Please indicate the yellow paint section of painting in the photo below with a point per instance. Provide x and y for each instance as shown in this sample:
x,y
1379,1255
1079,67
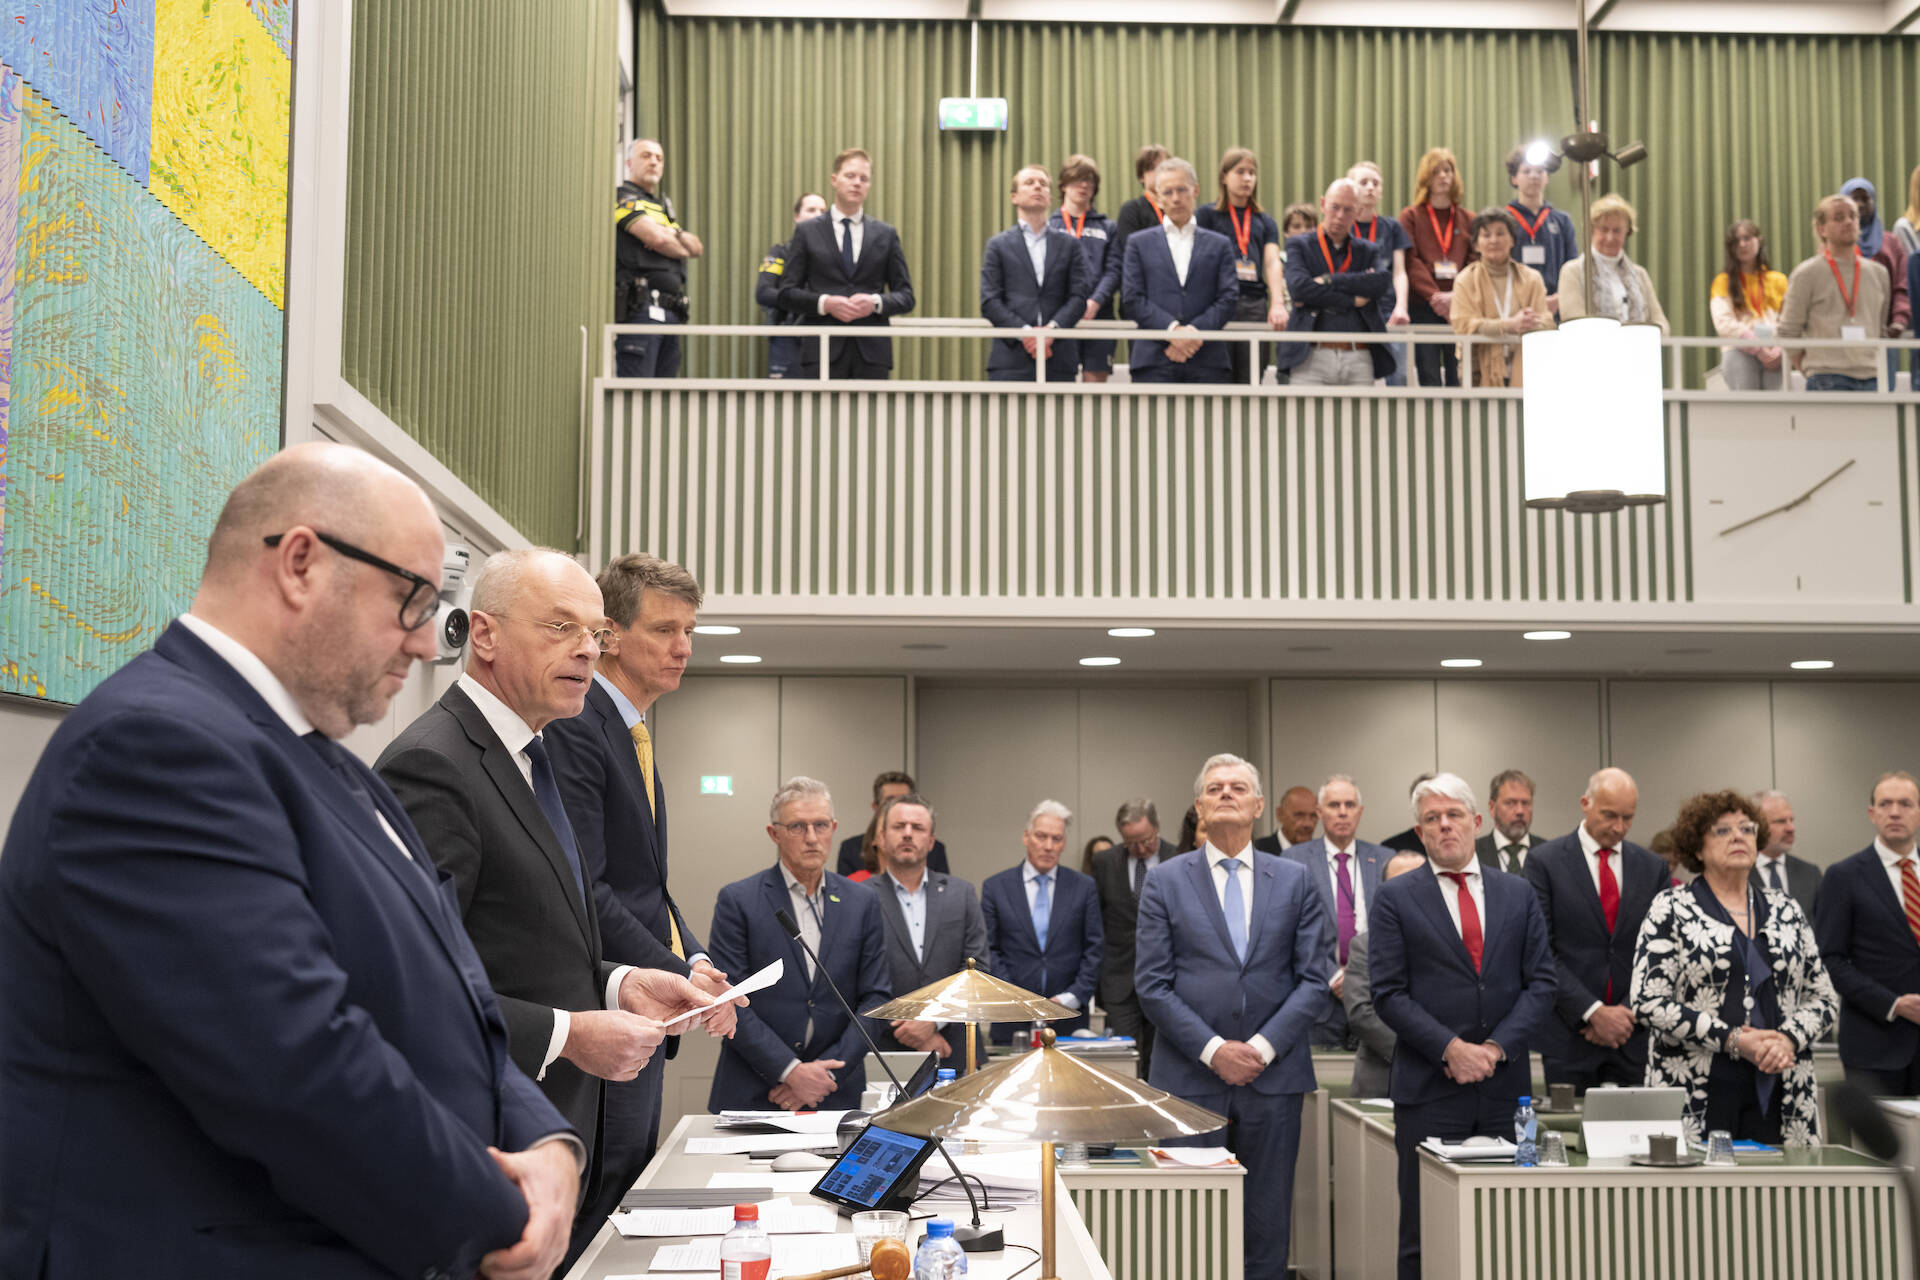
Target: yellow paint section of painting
x,y
222,107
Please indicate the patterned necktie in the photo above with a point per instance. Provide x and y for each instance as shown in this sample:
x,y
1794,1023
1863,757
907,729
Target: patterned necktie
x,y
643,749
1139,874
1910,895
546,793
1236,909
1469,918
1343,909
846,245
1042,908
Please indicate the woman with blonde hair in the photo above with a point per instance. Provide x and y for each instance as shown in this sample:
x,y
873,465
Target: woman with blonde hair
x,y
1438,224
1622,289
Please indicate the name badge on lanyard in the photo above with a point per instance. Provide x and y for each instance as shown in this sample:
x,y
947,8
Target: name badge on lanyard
x,y
1246,269
1534,255
1445,270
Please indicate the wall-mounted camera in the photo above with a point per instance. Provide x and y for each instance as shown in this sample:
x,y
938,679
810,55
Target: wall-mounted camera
x,y
456,591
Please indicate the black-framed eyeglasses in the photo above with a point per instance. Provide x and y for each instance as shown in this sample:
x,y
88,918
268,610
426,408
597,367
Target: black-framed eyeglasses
x,y
422,601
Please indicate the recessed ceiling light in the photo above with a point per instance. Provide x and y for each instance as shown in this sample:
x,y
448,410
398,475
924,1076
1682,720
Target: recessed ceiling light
x,y
1129,633
924,647
1812,664
715,629
1309,648
1099,662
743,658
1546,635
1459,662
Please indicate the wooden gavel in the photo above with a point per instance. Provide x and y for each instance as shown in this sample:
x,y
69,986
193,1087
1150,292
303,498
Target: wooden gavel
x,y
889,1261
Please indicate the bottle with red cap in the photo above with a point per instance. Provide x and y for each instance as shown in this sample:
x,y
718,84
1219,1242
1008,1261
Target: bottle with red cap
x,y
746,1252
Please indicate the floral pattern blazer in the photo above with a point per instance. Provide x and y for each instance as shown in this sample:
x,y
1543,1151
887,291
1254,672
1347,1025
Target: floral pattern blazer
x,y
1681,966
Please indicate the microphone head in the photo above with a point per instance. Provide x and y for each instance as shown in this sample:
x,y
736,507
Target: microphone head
x,y
786,922
1871,1128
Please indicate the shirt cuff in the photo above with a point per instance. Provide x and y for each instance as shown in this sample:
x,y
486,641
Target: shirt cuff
x,y
1592,1009
562,1021
1068,999
789,1070
1264,1049
879,303
697,957
613,985
574,1144
1209,1049
1893,1010
820,308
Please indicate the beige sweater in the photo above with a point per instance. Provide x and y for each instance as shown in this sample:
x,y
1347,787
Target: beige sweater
x,y
1573,301
1476,309
1814,309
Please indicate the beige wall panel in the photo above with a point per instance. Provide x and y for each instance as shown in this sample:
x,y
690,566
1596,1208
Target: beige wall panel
x,y
1151,742
987,756
1379,731
1830,742
843,731
1678,738
1548,728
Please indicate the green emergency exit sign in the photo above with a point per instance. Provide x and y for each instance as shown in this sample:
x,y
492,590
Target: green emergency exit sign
x,y
716,784
973,113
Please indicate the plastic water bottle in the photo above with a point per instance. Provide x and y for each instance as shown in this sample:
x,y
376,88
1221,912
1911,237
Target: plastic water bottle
x,y
945,1076
1526,1126
940,1256
745,1252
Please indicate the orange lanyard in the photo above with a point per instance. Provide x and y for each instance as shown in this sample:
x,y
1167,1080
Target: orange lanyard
x,y
1372,228
1446,241
1068,219
1757,300
1835,268
1242,231
1327,253
1533,228
1155,206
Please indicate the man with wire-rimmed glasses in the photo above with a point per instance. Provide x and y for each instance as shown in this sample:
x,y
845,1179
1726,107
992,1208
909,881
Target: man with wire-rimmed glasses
x,y
475,775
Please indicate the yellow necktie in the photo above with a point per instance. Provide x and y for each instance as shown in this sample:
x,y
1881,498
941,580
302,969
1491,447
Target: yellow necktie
x,y
643,751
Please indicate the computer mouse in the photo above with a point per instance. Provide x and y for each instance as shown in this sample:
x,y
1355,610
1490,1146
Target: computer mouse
x,y
799,1162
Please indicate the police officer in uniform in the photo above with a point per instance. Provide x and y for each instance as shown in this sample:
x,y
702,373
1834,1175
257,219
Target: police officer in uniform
x,y
782,352
650,276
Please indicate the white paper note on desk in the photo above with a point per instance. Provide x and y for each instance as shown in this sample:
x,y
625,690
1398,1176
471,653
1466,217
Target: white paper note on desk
x,y
777,1218
733,1144
1195,1157
791,1121
1473,1150
765,978
792,1255
779,1183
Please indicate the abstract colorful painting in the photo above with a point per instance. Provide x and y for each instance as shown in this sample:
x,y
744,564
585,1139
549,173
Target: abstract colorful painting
x,y
93,59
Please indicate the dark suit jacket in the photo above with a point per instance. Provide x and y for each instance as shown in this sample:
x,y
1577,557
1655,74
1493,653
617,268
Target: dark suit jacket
x,y
955,933
849,860
1269,843
622,842
1585,955
1872,957
1360,279
522,908
1425,987
1119,912
1369,861
1803,882
746,937
1155,298
814,269
1407,841
1193,987
1069,963
1012,298
1489,855
244,1035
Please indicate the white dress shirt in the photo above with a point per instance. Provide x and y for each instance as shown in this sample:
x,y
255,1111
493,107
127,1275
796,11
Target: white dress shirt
x,y
808,912
1512,853
858,231
1215,864
1030,877
1353,875
1036,249
913,907
514,734
1180,244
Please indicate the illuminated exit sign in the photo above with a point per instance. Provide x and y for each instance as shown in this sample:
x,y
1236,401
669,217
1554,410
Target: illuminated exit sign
x,y
961,114
716,784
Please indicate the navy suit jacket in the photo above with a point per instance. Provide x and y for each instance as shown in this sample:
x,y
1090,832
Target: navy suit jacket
x,y
622,842
1872,957
1155,298
243,1034
746,938
1360,279
1369,861
1193,987
1076,940
815,269
1585,956
1426,989
1011,298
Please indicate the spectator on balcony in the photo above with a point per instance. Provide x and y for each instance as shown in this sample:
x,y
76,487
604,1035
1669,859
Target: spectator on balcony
x,y
1497,297
1034,278
1335,288
1745,301
1547,238
781,352
1437,223
1391,240
1889,252
1143,211
1100,246
651,249
1907,229
1836,294
1622,288
1256,253
846,268
1178,276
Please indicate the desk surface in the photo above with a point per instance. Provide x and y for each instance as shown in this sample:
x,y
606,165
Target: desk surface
x,y
610,1254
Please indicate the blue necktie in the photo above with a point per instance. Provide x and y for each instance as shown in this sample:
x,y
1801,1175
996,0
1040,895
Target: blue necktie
x,y
1042,908
1773,874
846,247
1236,909
547,793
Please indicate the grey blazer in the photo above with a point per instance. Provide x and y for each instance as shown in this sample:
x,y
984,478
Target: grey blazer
x,y
1374,1039
955,931
1803,882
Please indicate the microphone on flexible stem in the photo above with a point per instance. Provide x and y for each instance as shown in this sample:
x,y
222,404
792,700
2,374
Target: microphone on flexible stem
x,y
973,1239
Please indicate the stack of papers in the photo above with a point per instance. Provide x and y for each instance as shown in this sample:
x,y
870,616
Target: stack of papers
x,y
1194,1157
792,1255
739,1144
1474,1150
789,1121
777,1218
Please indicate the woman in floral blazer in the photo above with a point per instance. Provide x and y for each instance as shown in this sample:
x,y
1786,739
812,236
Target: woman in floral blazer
x,y
1728,979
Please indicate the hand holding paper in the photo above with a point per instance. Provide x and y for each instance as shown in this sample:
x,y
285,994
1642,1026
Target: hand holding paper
x,y
765,978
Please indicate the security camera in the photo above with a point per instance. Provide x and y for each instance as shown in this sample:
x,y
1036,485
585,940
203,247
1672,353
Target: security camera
x,y
450,620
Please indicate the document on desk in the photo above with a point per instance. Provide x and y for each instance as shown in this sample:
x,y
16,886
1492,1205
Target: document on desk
x,y
1621,1139
763,979
792,1255
1473,1150
791,1121
779,1183
777,1218
734,1144
1195,1157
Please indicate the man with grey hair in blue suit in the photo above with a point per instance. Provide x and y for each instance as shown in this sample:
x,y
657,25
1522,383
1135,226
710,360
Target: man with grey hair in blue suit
x,y
1233,965
1345,871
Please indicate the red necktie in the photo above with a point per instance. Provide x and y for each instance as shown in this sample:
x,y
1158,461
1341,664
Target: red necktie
x,y
1609,907
1469,918
1910,896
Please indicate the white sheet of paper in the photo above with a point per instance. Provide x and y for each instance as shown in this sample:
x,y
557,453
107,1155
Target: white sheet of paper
x,y
777,1218
792,1122
1194,1157
1474,1150
739,1144
765,978
792,1255
1905,1106
779,1183
1618,1139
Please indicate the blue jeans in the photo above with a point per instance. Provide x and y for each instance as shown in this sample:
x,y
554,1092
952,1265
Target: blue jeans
x,y
1838,382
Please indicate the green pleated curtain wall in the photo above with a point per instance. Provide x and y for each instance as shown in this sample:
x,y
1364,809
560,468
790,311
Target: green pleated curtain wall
x,y
752,111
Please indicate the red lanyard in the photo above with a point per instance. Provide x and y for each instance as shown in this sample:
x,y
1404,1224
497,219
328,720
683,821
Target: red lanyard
x,y
1327,253
1242,231
1835,268
1068,219
1533,228
1372,227
1446,241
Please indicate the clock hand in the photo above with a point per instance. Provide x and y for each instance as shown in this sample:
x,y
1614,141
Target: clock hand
x,y
1788,506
